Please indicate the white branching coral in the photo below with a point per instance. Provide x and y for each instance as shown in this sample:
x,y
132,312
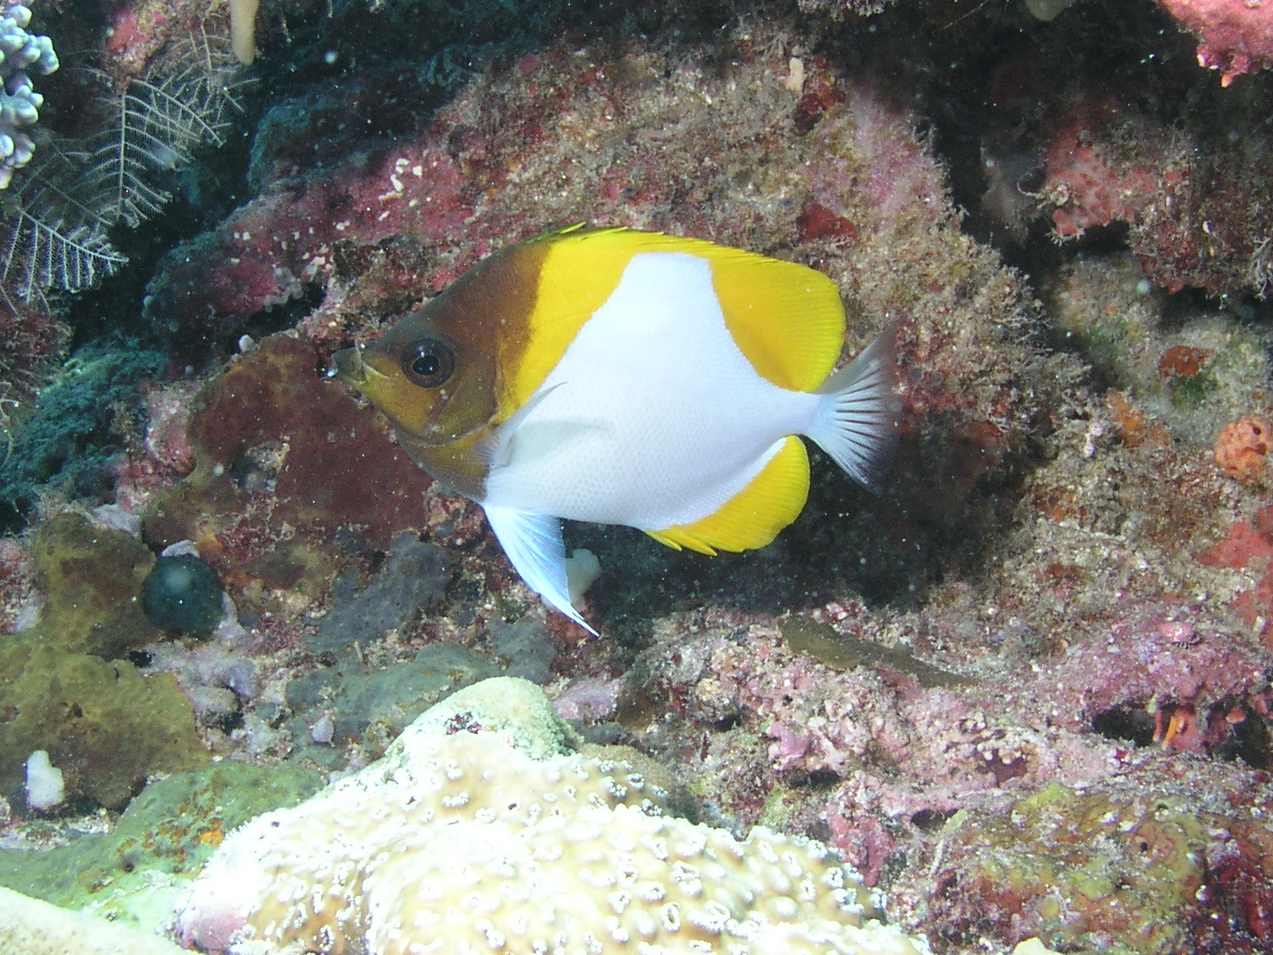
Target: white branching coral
x,y
482,831
21,53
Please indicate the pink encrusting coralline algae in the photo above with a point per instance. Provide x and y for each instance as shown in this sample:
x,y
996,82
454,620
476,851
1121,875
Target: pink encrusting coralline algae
x,y
1235,37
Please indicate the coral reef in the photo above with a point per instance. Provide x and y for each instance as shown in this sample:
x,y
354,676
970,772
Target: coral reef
x,y
1110,868
20,601
1248,545
1025,691
32,340
1242,448
412,580
1187,376
1198,681
526,647
1197,211
219,676
63,685
282,458
106,725
91,577
354,700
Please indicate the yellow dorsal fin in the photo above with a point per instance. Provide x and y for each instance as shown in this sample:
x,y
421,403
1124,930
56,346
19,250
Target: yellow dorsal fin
x,y
786,318
754,516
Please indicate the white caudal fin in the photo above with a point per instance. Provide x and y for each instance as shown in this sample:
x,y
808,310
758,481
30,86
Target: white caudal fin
x,y
856,420
534,547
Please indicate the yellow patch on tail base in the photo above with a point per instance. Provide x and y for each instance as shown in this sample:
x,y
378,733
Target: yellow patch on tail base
x,y
754,516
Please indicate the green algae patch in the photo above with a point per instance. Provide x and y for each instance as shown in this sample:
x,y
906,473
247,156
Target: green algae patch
x,y
103,723
92,577
1191,393
1082,871
779,806
134,872
842,652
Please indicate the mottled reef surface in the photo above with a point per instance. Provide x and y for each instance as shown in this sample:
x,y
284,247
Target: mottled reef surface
x,y
1025,690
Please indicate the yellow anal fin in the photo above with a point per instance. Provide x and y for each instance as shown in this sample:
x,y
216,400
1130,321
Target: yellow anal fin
x,y
754,516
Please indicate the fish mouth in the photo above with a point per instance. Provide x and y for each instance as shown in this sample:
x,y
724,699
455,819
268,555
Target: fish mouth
x,y
347,366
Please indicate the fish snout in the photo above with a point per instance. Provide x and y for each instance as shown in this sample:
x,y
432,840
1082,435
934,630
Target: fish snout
x,y
348,367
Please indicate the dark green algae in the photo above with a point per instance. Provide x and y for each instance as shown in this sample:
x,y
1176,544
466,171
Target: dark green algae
x,y
91,576
70,437
182,594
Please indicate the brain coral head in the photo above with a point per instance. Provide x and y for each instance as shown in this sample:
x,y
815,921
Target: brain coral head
x,y
466,843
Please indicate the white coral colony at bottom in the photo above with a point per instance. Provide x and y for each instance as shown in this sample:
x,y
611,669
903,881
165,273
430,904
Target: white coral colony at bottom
x,y
462,842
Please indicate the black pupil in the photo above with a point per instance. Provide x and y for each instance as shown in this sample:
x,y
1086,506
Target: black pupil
x,y
428,362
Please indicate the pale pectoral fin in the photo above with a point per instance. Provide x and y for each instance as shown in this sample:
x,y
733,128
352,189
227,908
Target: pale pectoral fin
x,y
520,438
534,547
496,448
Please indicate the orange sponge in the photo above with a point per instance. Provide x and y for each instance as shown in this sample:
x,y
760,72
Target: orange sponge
x,y
1242,447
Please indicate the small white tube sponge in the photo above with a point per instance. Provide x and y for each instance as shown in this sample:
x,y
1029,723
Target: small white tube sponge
x,y
461,841
243,29
45,786
20,54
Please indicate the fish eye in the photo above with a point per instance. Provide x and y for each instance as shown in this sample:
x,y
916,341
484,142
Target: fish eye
x,y
428,362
